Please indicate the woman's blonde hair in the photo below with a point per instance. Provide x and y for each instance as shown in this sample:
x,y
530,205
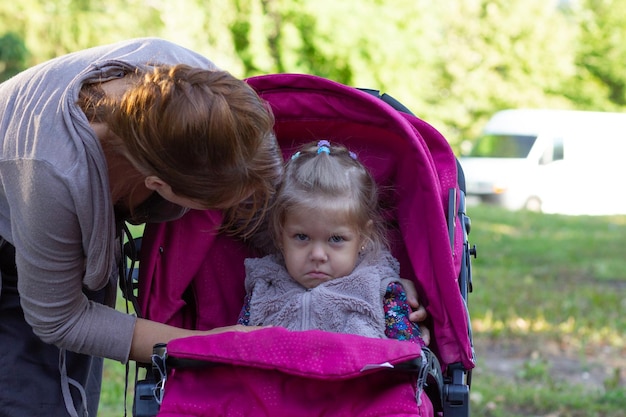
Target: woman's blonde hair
x,y
322,176
207,134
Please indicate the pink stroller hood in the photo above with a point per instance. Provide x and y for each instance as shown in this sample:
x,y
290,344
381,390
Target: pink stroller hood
x,y
415,169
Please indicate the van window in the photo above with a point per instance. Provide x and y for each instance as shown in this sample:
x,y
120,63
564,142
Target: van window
x,y
558,150
553,152
503,146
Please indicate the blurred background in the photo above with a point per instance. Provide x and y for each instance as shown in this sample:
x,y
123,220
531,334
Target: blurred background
x,y
549,290
452,62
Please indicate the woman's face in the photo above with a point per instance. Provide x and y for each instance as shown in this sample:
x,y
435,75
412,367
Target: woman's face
x,y
319,246
165,191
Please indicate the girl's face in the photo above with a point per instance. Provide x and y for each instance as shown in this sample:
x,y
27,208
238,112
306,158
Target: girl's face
x,y
319,246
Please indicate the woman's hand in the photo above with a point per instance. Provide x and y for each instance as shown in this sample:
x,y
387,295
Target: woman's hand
x,y
148,333
233,328
419,314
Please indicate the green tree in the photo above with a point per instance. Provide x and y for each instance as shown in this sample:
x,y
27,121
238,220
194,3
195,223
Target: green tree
x,y
373,45
452,62
274,36
52,28
496,54
600,80
13,55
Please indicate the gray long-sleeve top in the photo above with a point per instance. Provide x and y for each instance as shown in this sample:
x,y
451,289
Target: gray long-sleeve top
x,y
55,203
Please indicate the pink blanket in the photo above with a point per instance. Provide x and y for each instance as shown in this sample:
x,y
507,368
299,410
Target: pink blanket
x,y
274,372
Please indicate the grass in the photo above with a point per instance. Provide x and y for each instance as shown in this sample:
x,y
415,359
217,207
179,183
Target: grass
x,y
114,386
545,287
551,275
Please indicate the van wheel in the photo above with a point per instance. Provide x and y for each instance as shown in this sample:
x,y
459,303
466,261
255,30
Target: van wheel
x,y
533,204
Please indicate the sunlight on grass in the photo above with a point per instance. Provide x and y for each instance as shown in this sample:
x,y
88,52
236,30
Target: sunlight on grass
x,y
503,229
514,325
524,326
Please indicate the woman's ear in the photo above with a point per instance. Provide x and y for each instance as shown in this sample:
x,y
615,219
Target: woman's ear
x,y
154,183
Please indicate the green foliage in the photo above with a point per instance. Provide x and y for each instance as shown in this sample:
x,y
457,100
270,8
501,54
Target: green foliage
x,y
602,52
499,54
13,55
452,62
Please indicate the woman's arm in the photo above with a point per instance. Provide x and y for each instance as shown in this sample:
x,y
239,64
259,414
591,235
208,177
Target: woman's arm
x,y
148,333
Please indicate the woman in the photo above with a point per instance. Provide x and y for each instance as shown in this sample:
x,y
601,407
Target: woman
x,y
137,131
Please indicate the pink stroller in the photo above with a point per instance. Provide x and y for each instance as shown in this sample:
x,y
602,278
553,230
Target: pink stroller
x,y
190,276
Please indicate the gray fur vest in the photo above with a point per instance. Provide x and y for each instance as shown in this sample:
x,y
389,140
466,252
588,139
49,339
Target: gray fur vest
x,y
350,304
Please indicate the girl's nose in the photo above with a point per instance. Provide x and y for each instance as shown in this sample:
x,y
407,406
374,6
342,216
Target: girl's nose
x,y
318,254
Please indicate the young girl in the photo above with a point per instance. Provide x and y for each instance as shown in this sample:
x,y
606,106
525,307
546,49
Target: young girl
x,y
333,271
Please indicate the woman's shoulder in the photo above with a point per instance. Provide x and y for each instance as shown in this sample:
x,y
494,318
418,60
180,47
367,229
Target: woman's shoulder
x,y
153,50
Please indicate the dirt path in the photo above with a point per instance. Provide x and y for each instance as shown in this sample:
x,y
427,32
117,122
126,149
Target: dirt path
x,y
512,359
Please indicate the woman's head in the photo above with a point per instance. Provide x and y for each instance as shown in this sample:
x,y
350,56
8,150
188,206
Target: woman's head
x,y
204,133
327,181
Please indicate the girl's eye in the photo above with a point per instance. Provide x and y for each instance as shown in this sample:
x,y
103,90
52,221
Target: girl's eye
x,y
336,239
300,236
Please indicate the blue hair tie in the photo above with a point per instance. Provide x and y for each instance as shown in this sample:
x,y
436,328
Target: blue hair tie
x,y
295,155
324,149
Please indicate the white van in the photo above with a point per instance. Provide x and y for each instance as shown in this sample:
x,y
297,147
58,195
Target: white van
x,y
554,161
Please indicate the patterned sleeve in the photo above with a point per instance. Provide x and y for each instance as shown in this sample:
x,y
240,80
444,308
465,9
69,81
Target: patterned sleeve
x,y
244,316
397,310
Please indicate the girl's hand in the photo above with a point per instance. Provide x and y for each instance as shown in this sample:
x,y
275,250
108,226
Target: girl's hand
x,y
419,314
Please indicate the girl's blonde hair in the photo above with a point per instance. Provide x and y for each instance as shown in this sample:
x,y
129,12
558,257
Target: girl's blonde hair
x,y
207,134
325,176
